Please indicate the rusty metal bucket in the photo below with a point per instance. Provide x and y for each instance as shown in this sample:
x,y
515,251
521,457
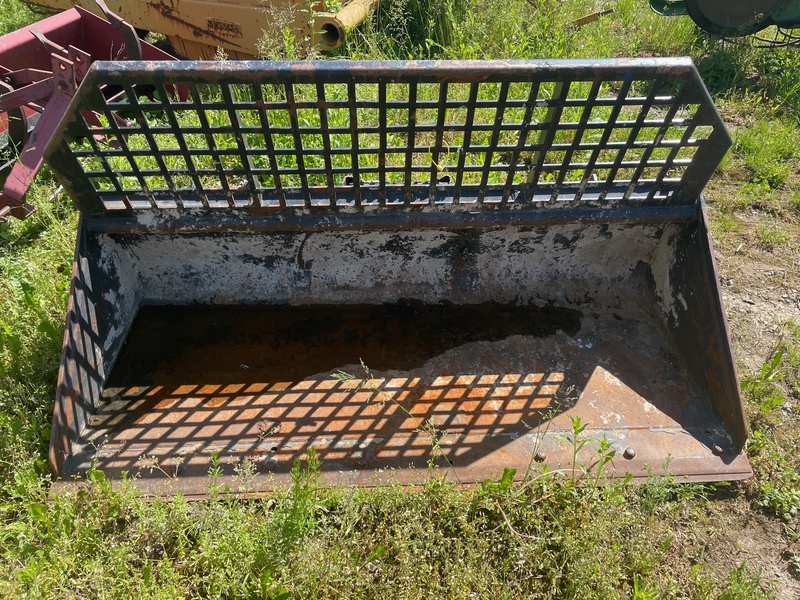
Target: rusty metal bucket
x,y
354,256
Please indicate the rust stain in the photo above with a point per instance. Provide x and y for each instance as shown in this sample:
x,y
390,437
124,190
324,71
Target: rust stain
x,y
488,387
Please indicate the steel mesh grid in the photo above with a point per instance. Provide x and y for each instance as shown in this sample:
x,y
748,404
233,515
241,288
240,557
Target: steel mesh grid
x,y
343,136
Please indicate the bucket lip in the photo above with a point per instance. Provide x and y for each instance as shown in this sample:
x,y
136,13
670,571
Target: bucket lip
x,y
195,488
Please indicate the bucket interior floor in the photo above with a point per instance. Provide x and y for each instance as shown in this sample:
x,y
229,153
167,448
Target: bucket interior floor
x,y
269,382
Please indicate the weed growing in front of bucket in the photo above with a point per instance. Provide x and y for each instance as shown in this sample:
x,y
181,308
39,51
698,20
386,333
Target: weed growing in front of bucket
x,y
577,442
296,515
772,397
763,389
605,454
245,472
214,473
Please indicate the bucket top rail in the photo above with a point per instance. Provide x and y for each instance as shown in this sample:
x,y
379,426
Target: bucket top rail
x,y
332,137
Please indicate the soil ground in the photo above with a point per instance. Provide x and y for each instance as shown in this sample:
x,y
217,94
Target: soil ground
x,y
761,292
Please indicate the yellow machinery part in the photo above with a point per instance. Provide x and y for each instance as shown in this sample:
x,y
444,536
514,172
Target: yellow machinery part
x,y
198,28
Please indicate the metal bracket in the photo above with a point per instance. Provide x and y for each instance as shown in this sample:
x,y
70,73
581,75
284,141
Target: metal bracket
x,y
25,91
132,42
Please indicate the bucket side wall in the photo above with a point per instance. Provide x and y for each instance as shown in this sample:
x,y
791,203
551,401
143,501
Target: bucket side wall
x,y
105,294
80,376
687,292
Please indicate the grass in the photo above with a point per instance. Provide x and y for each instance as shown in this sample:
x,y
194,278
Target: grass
x,y
549,537
499,540
770,236
772,396
14,15
768,149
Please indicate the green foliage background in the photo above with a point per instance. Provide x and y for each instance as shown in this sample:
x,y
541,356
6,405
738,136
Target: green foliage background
x,y
550,538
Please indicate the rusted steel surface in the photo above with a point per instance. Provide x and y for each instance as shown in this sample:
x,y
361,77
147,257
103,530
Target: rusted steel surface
x,y
259,384
229,283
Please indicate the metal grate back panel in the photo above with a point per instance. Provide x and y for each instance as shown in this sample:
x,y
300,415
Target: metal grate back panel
x,y
334,135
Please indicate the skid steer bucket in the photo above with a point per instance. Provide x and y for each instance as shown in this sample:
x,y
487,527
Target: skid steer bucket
x,y
398,264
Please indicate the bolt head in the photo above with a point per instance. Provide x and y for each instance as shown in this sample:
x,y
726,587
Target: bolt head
x,y
717,450
541,456
629,453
